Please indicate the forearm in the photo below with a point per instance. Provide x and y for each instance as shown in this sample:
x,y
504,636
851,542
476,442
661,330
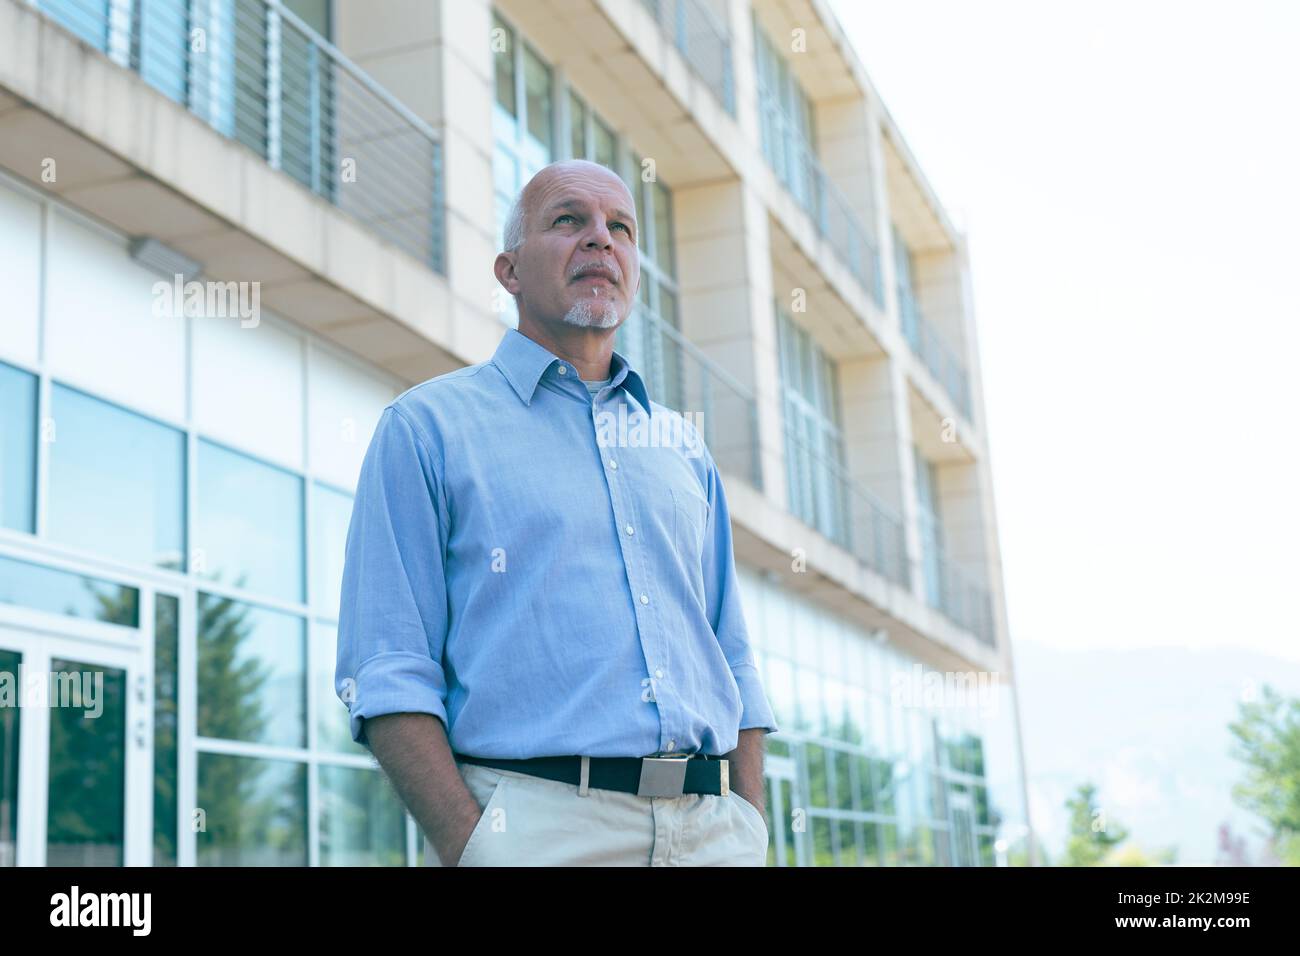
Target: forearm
x,y
745,770
414,752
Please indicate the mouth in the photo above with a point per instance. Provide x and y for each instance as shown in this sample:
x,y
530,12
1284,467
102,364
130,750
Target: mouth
x,y
595,275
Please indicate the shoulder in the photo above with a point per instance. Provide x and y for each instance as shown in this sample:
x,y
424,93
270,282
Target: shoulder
x,y
428,407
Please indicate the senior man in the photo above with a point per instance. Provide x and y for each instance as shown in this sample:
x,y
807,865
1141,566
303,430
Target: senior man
x,y
540,635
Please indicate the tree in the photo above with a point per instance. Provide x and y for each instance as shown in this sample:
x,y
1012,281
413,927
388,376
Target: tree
x,y
1092,835
1266,738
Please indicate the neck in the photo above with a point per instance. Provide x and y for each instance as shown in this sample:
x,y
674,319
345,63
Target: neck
x,y
586,349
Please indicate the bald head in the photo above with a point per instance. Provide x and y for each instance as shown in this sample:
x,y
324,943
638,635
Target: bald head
x,y
570,255
525,204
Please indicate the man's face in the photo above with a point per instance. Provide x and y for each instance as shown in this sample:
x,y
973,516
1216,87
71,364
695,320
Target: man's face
x,y
579,262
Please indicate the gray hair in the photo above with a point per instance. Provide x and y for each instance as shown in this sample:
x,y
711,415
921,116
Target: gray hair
x,y
514,232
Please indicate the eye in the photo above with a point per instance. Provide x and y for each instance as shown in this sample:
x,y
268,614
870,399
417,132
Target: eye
x,y
565,216
626,228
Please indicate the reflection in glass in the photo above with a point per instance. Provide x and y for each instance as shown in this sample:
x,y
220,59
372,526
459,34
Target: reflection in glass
x,y
504,65
87,777
88,19
333,723
117,482
254,812
604,144
577,127
9,718
331,513
165,716
251,680
248,524
361,820
17,449
848,843
63,592
537,93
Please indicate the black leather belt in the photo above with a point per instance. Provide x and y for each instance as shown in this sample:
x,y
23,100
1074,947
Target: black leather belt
x,y
654,776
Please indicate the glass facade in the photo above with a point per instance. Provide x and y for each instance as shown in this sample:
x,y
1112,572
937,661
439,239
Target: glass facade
x,y
865,771
162,524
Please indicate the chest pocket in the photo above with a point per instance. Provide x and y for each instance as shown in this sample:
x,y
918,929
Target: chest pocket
x,y
690,519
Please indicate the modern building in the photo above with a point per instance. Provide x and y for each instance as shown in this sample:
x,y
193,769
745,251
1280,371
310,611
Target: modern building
x,y
177,462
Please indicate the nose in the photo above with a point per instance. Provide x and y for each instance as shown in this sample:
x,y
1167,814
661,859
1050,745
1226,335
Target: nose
x,y
598,237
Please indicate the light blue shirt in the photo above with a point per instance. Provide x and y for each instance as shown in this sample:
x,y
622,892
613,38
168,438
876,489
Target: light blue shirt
x,y
546,571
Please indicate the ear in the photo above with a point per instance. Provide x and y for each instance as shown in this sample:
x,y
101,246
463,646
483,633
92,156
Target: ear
x,y
504,268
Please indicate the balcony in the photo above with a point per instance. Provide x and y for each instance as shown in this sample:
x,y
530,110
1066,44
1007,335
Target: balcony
x,y
825,497
257,74
680,376
934,352
828,208
703,41
952,593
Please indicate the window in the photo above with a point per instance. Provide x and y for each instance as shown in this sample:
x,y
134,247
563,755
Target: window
x,y
361,820
590,137
117,482
255,811
931,528
333,722
650,338
523,128
251,681
786,124
69,593
248,524
814,444
17,449
908,314
87,19
331,514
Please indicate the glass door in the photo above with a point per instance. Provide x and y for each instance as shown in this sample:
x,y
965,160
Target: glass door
x,y
74,752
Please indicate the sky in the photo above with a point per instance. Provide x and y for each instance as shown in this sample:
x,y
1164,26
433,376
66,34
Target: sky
x,y
1128,175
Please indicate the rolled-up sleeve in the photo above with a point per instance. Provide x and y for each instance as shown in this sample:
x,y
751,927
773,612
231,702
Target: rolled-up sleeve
x,y
393,611
723,606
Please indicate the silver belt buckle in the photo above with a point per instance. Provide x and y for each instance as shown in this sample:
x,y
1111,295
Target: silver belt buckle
x,y
662,776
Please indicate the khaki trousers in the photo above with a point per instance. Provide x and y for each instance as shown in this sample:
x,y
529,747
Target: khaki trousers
x,y
532,821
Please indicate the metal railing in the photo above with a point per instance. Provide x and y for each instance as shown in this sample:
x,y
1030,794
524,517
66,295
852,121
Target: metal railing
x,y
683,378
832,214
931,349
824,496
951,591
258,74
703,41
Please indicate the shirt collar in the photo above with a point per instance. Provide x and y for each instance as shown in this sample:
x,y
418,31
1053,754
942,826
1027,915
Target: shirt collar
x,y
523,362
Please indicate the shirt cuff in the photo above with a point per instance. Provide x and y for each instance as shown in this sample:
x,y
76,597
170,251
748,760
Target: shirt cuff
x,y
755,710
397,682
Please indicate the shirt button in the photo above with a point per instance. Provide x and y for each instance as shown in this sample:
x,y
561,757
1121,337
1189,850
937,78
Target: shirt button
x,y
659,672
628,529
563,370
672,744
613,464
645,599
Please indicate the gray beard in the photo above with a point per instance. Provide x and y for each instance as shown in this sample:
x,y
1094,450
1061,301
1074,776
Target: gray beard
x,y
583,314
